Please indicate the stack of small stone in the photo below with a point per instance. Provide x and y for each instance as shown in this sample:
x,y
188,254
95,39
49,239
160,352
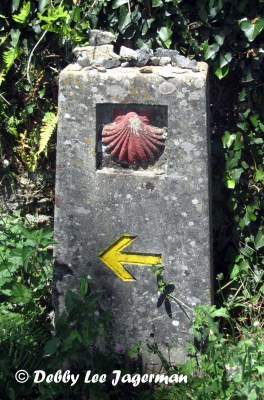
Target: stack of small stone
x,y
100,55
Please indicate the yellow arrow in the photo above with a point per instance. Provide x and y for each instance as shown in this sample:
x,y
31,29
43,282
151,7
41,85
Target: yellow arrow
x,y
114,259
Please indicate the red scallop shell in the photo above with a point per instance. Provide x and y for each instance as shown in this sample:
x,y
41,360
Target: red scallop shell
x,y
131,140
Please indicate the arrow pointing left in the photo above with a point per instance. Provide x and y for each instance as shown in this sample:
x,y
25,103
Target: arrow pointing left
x,y
114,258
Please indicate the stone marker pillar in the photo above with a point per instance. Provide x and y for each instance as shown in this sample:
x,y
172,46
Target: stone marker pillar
x,y
132,191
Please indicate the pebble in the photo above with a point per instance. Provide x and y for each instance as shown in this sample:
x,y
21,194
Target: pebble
x,y
166,53
128,54
83,59
113,63
143,55
74,67
101,54
106,63
97,37
125,64
80,49
164,61
155,60
146,70
185,62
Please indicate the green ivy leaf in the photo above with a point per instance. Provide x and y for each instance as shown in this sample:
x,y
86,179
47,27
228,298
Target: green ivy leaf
x,y
249,215
252,30
42,5
228,139
244,165
247,73
119,3
236,173
219,39
165,35
157,3
15,5
225,59
238,144
257,141
259,240
242,95
261,126
125,19
231,183
211,51
254,120
259,175
221,72
15,35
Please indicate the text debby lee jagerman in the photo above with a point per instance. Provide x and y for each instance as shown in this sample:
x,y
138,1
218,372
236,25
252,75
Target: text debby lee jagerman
x,y
117,377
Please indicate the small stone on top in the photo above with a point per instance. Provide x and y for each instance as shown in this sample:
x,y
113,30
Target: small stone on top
x,y
97,37
128,54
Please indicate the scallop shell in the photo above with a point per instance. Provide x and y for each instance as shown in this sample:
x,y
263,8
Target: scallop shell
x,y
131,140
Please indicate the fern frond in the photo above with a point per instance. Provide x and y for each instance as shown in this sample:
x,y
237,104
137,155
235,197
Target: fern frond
x,y
49,123
21,342
21,18
9,56
3,38
2,76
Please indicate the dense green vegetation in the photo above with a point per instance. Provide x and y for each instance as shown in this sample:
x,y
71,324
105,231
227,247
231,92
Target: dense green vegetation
x,y
36,41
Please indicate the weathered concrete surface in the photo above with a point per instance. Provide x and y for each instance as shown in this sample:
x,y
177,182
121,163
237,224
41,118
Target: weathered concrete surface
x,y
166,207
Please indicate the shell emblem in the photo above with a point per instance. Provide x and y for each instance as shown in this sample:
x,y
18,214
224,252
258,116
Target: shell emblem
x,y
131,140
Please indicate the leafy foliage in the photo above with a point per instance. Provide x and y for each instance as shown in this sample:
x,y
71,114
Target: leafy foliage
x,y
25,275
79,333
48,126
226,359
21,347
36,39
227,368
25,264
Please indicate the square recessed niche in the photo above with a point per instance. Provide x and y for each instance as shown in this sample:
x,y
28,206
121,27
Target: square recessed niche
x,y
131,137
